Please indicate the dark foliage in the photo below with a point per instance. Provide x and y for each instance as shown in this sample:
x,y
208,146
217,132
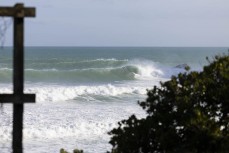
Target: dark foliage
x,y
74,151
188,114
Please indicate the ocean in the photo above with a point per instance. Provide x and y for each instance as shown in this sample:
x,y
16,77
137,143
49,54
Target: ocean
x,y
82,92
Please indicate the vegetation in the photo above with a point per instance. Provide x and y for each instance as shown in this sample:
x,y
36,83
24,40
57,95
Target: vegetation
x,y
189,113
74,151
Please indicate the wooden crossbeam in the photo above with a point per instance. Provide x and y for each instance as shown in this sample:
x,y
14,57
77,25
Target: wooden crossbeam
x,y
17,11
17,98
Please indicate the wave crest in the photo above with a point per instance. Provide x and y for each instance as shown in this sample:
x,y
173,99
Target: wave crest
x,y
55,93
95,73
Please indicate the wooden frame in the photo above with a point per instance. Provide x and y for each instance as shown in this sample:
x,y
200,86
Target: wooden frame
x,y
18,98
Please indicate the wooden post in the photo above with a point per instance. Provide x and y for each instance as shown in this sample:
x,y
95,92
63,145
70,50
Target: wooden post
x,y
18,81
18,98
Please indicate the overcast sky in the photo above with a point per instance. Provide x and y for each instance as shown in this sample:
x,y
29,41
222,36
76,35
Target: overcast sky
x,y
126,23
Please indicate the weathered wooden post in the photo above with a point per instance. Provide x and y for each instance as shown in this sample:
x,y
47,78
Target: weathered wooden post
x,y
18,98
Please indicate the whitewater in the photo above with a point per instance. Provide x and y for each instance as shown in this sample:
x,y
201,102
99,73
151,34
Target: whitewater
x,y
82,92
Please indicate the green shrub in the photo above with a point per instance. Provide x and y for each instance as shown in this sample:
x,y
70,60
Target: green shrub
x,y
189,113
63,151
77,151
74,151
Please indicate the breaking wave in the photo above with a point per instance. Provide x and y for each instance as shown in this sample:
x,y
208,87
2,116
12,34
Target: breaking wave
x,y
99,70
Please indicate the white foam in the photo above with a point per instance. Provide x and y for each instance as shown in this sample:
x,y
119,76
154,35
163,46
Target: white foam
x,y
54,93
149,70
79,123
46,70
5,69
60,93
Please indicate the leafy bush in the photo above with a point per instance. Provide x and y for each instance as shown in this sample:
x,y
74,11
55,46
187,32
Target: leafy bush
x,y
189,113
74,151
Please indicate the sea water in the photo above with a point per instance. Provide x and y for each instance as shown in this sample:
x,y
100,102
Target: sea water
x,y
82,92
